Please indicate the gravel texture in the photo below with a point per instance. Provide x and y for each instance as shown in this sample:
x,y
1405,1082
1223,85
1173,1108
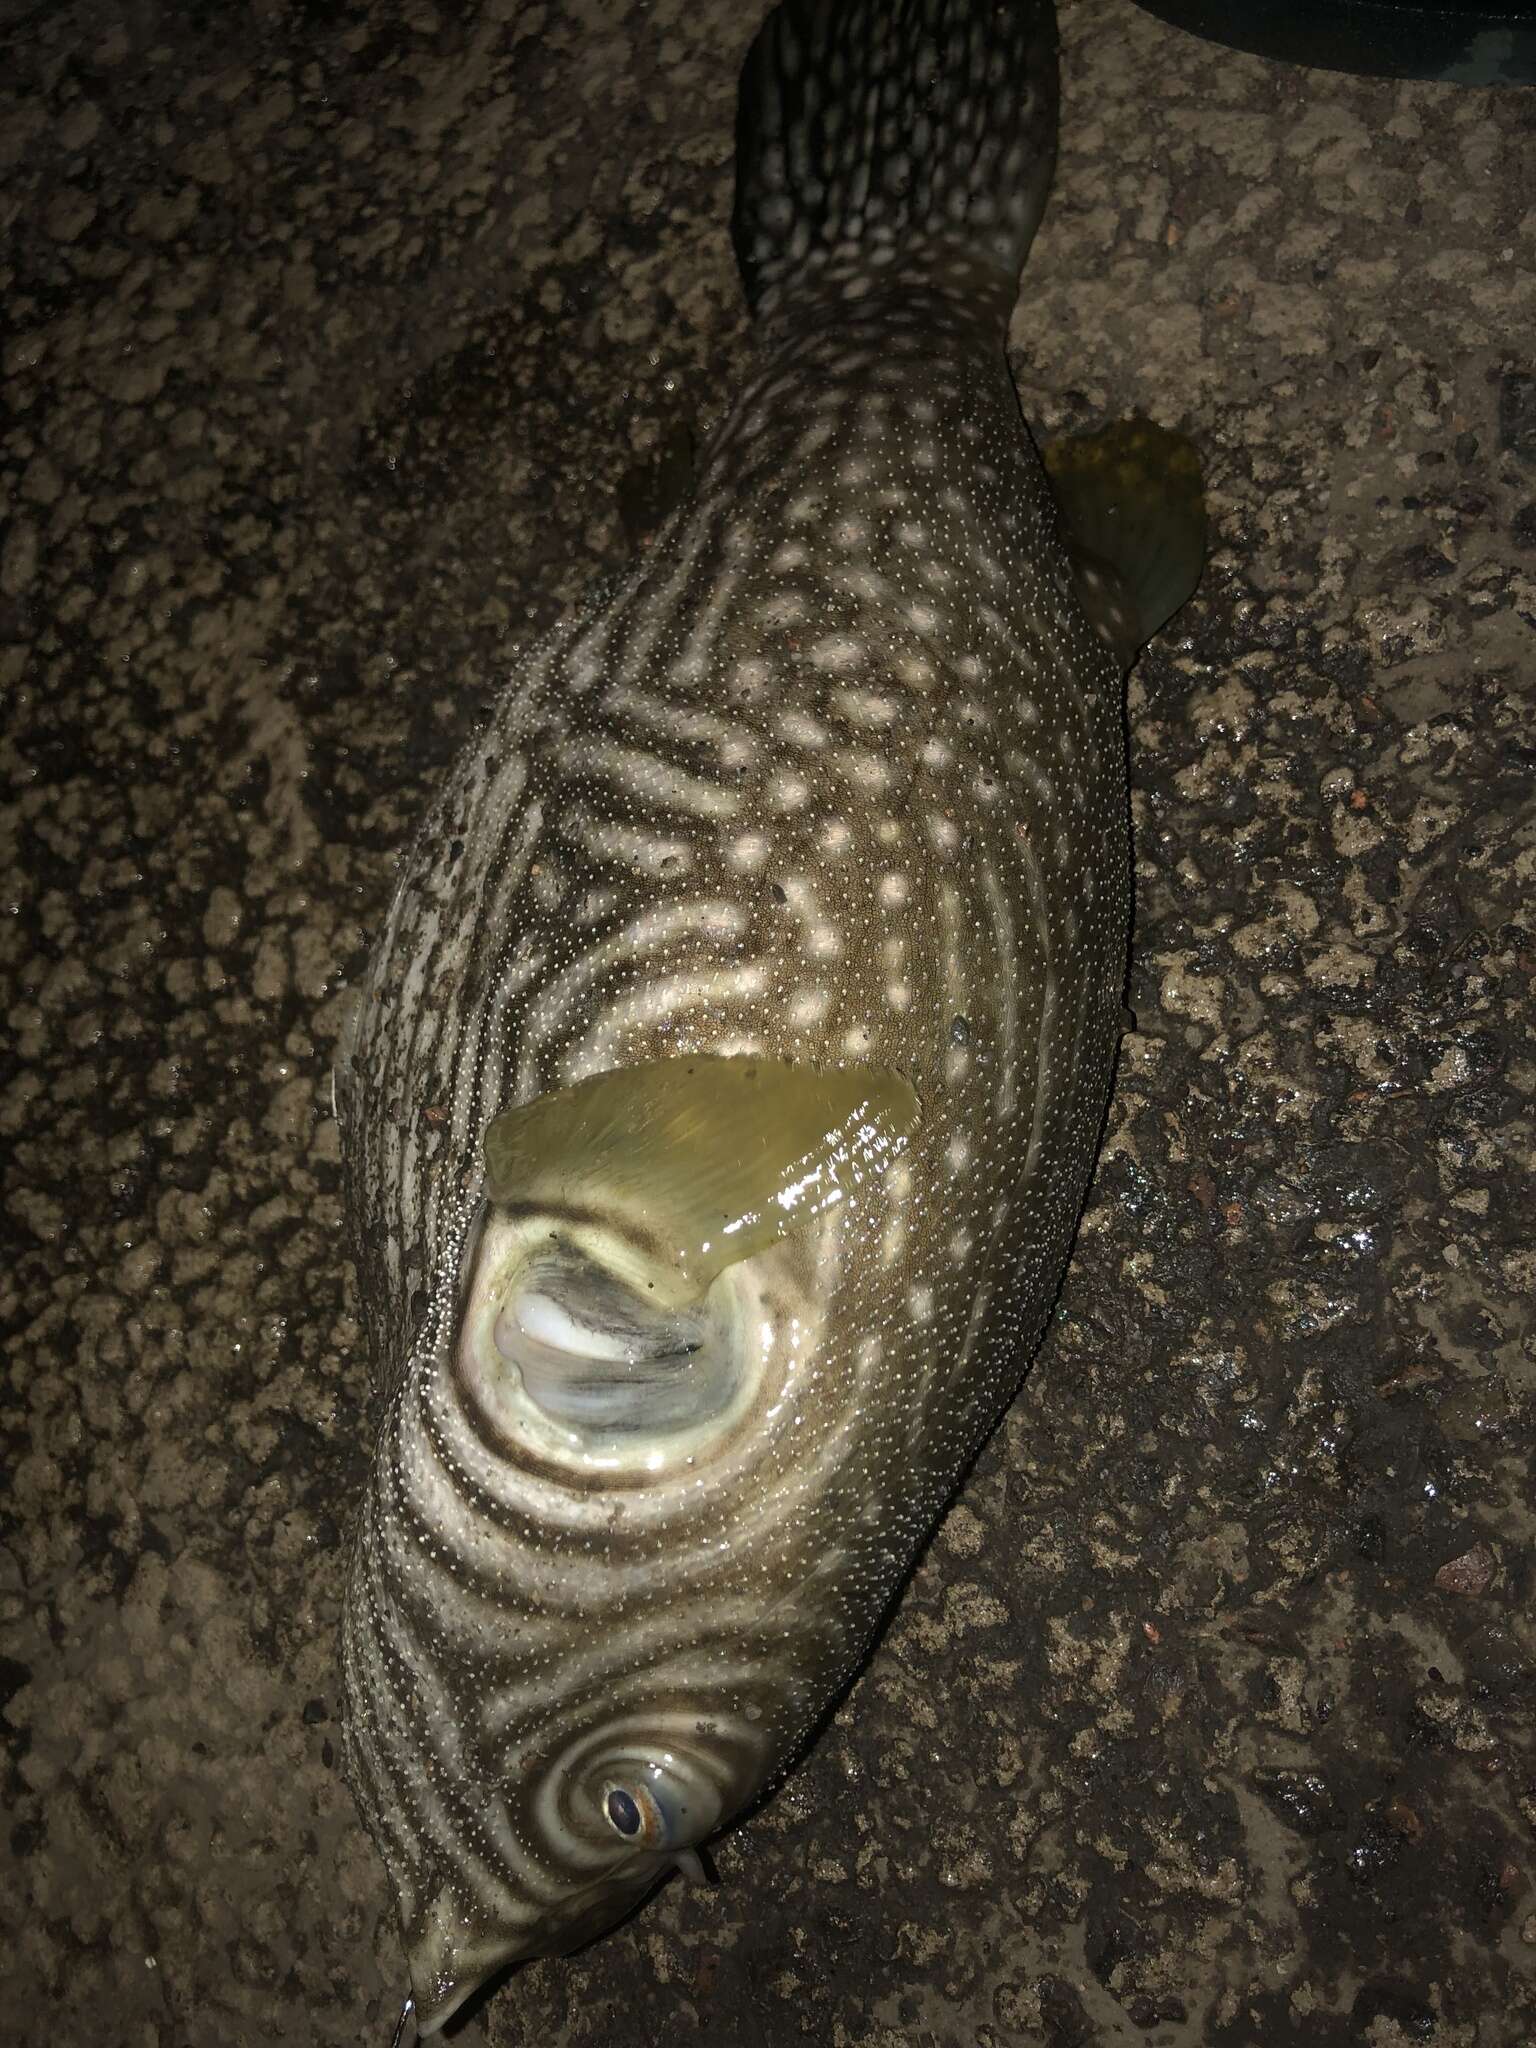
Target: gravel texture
x,y
343,344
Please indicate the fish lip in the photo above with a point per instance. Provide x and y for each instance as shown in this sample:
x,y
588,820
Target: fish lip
x,y
572,1926
435,2008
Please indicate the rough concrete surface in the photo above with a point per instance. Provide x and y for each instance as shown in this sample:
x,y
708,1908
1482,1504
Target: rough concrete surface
x,y
335,335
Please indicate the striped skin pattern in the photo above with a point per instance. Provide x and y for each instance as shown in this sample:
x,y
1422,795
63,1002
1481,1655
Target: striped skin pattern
x,y
837,775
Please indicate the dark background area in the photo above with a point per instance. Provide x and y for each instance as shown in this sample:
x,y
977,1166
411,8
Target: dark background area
x,y
338,343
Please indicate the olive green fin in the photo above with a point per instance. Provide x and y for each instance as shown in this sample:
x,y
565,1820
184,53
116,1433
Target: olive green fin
x,y
1133,516
699,1162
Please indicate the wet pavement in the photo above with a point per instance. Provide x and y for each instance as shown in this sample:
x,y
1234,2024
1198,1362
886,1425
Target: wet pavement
x,y
343,345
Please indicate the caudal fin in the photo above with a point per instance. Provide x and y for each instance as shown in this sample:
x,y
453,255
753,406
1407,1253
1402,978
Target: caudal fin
x,y
869,128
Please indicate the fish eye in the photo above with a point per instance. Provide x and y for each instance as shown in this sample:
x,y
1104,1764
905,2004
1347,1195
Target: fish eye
x,y
623,1811
637,1813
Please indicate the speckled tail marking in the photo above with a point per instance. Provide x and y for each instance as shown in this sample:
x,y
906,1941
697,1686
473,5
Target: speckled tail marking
x,y
790,885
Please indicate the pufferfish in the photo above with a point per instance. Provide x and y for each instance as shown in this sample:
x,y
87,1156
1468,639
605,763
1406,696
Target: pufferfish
x,y
727,1078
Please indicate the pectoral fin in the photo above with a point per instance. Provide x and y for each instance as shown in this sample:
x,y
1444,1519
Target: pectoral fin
x,y
1133,517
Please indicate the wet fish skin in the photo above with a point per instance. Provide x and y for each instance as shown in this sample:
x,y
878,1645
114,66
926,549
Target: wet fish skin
x,y
836,777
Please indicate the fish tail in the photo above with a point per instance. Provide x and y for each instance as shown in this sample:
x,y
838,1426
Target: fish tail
x,y
876,131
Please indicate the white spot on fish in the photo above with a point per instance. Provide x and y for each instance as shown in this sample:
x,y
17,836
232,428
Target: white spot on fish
x,y
837,652
864,708
942,832
784,608
749,851
801,729
788,791
807,1007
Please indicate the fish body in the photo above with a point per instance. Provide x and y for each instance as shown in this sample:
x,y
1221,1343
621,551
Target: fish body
x,y
727,1079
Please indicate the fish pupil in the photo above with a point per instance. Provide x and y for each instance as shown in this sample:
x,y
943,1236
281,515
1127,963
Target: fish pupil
x,y
623,1812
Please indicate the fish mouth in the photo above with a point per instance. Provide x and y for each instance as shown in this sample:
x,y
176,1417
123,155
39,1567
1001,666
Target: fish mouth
x,y
449,1962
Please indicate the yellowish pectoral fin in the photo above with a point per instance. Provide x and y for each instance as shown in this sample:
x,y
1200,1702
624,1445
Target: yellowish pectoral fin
x,y
704,1161
1133,515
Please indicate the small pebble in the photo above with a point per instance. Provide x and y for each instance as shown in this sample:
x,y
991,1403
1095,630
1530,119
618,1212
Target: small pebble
x,y
1472,1572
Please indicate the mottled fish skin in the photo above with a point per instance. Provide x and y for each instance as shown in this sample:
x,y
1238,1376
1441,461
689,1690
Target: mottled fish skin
x,y
838,774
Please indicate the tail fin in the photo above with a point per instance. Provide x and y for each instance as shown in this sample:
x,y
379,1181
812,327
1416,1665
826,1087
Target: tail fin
x,y
868,127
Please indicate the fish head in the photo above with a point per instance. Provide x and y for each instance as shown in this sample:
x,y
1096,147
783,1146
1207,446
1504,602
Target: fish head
x,y
606,1504
618,1817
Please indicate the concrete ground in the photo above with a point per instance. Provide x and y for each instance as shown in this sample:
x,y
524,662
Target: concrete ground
x,y
336,336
